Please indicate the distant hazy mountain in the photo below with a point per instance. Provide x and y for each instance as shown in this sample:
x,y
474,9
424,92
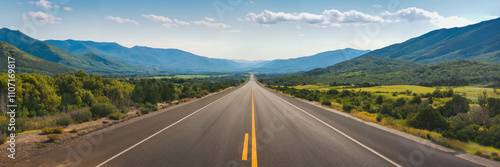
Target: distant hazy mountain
x,y
90,63
319,60
182,61
480,41
26,63
162,59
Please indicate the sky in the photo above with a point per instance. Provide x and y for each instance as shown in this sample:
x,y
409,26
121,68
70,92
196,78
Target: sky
x,y
242,29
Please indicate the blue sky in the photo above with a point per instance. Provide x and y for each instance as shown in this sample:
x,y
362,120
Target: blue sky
x,y
250,30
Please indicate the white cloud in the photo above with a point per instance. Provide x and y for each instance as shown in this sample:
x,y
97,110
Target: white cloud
x,y
209,19
66,8
168,25
327,18
122,20
377,6
298,27
335,18
416,14
157,18
13,28
182,23
239,19
302,35
231,31
211,25
43,4
42,17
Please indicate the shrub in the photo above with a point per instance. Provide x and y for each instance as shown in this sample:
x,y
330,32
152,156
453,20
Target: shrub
x,y
151,107
138,113
428,118
380,99
73,131
48,130
326,103
63,120
81,115
53,137
379,117
117,116
102,109
58,130
145,111
40,145
347,107
3,139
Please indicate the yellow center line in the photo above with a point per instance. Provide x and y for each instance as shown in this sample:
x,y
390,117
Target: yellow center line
x,y
254,141
245,148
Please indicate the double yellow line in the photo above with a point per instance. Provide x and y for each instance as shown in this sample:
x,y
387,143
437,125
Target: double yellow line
x,y
254,141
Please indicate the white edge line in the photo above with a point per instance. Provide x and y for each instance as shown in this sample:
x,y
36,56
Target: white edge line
x,y
160,131
355,141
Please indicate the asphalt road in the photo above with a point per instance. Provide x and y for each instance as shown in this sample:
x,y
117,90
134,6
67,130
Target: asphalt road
x,y
247,126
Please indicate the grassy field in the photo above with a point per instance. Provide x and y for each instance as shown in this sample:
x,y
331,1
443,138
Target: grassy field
x,y
470,92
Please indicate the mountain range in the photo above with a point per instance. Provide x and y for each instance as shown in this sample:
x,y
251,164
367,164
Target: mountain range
x,y
112,58
479,41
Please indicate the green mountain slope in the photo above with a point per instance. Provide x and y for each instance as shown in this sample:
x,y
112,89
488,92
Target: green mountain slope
x,y
479,41
458,72
55,54
26,63
369,65
361,66
306,63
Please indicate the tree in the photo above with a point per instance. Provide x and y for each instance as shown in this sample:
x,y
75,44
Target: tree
x,y
416,100
493,106
428,118
400,102
482,99
457,104
380,99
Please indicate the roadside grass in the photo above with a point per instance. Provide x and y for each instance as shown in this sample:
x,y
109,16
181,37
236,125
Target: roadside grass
x,y
28,132
398,124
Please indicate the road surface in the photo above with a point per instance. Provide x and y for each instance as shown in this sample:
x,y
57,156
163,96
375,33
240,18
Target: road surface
x,y
247,126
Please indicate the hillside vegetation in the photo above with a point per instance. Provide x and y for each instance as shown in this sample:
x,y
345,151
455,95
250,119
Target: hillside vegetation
x,y
479,41
26,63
91,63
392,72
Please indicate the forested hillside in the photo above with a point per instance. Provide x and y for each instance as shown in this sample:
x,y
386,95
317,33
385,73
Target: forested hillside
x,y
26,63
479,41
454,73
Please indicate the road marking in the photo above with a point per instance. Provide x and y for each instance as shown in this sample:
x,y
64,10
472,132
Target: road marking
x,y
245,148
342,133
142,141
254,141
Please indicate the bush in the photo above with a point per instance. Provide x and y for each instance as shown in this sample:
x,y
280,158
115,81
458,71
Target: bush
x,y
117,116
145,111
326,103
63,120
81,115
102,109
428,118
58,130
3,139
73,131
379,117
53,137
347,107
48,130
40,145
151,107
